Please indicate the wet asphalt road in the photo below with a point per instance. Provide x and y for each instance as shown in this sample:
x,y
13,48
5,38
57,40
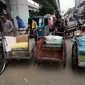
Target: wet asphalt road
x,y
26,73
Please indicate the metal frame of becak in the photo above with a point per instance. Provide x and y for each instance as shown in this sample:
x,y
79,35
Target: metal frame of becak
x,y
5,56
76,55
50,54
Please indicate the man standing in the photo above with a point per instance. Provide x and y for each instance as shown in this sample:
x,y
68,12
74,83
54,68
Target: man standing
x,y
7,26
32,25
9,17
20,23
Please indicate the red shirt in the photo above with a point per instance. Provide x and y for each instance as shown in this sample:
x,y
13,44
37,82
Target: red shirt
x,y
83,29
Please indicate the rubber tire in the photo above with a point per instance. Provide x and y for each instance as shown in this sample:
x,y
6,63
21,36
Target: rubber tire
x,y
64,63
34,57
3,65
74,57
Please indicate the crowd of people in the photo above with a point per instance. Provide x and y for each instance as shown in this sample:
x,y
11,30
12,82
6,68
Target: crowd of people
x,y
7,25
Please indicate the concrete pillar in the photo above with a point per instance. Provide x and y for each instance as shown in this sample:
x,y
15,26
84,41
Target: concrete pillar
x,y
19,8
8,9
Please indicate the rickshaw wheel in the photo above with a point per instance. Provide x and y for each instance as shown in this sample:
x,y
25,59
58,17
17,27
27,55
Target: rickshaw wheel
x,y
2,64
74,56
34,57
37,61
64,63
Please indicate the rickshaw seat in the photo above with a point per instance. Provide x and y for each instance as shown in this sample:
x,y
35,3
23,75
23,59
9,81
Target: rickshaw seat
x,y
11,43
20,45
53,42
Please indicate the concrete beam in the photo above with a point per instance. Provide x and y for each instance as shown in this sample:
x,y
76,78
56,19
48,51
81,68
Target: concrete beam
x,y
48,3
32,5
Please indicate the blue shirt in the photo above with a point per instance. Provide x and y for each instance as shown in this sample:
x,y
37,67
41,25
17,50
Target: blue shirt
x,y
20,23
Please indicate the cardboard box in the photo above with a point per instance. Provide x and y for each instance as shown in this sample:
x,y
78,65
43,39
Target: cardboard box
x,y
22,38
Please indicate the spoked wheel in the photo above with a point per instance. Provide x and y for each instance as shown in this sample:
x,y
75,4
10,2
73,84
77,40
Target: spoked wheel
x,y
37,62
65,54
2,64
34,56
74,56
64,63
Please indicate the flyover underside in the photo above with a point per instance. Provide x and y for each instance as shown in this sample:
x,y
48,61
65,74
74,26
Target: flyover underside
x,y
48,3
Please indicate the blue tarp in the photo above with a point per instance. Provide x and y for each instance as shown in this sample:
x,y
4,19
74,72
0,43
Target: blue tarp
x,y
81,44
